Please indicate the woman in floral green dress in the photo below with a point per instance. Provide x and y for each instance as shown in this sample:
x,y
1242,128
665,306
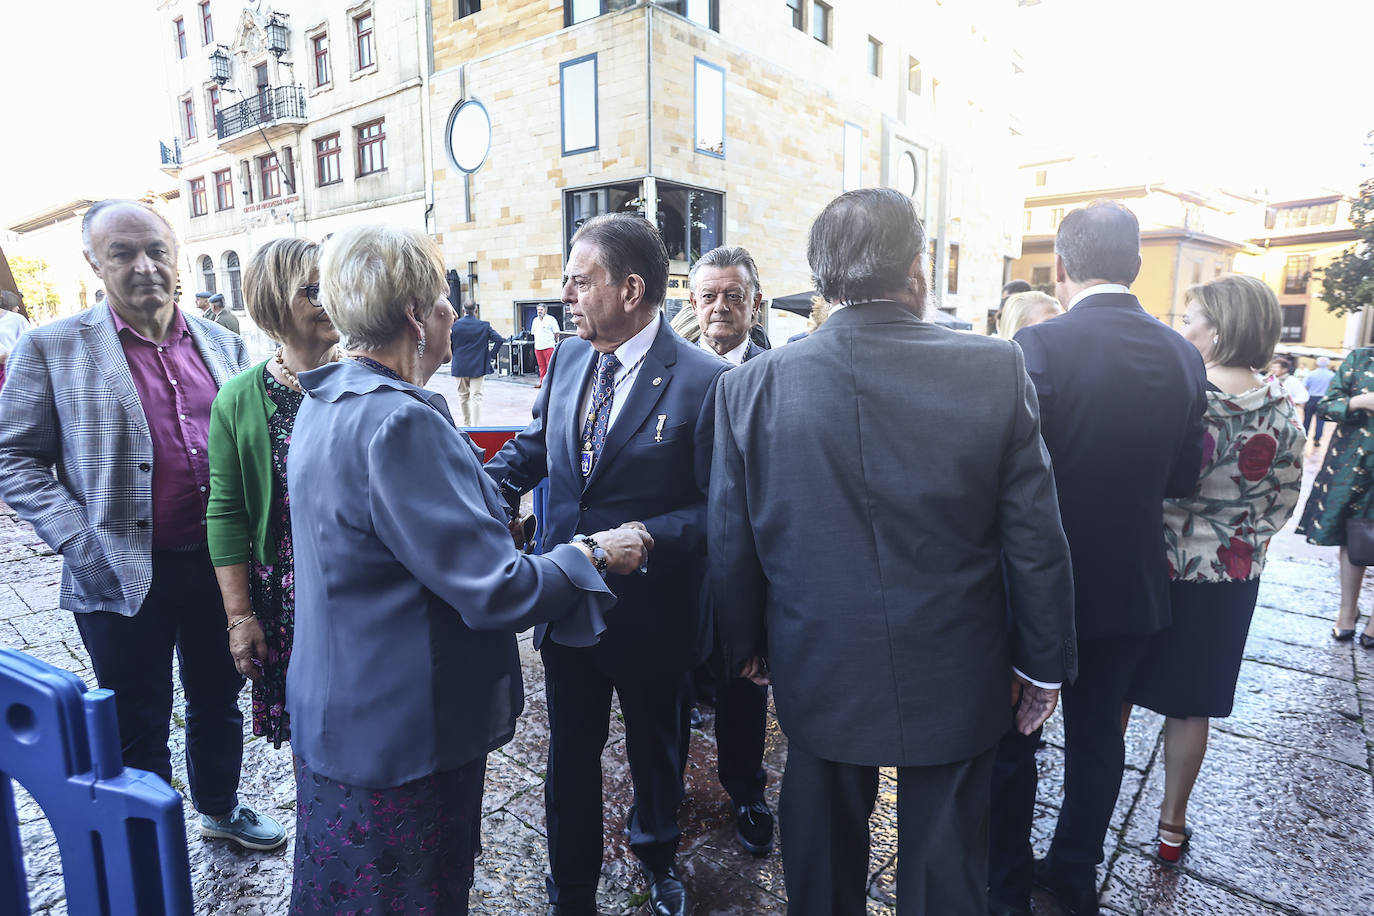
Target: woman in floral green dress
x,y
248,522
1343,485
1216,539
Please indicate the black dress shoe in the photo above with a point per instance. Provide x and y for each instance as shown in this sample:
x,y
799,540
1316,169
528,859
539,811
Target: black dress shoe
x,y
667,896
754,827
1074,898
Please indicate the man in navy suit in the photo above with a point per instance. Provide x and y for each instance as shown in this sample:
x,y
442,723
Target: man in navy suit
x,y
1121,402
622,430
472,339
726,295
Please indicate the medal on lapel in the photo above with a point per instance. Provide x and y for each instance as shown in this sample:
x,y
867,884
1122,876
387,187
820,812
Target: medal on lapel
x,y
586,459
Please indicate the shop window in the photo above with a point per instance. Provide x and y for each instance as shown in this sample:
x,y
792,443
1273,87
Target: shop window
x,y
580,206
690,220
578,105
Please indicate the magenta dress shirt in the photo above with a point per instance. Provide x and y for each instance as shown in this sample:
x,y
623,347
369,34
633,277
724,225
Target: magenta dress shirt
x,y
175,388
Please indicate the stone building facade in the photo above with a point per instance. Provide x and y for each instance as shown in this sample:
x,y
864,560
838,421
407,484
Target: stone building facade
x,y
297,118
730,123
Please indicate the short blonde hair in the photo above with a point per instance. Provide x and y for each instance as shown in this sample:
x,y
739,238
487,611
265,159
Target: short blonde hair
x,y
271,279
1246,315
1020,310
371,275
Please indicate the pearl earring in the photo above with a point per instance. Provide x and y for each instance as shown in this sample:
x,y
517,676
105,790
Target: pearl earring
x,y
1215,340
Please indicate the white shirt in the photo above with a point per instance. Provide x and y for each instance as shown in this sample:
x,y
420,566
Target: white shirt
x,y
734,357
1098,288
12,327
545,332
629,354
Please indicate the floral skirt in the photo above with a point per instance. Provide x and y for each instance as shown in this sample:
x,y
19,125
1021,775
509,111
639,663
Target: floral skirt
x,y
404,850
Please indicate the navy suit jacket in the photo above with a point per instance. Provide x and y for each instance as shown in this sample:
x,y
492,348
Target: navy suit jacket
x,y
470,336
654,469
1121,401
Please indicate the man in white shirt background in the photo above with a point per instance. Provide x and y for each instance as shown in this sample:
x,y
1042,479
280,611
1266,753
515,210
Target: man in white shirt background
x,y
545,328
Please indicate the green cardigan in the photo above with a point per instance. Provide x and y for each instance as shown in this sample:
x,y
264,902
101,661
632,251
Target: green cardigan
x,y
237,519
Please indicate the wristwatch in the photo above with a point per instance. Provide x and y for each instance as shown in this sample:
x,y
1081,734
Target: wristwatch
x,y
599,556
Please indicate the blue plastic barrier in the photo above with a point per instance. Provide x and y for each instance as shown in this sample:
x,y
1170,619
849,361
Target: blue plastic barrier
x,y
120,831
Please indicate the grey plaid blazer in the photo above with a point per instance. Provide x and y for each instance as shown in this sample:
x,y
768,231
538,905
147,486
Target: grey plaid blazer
x,y
69,405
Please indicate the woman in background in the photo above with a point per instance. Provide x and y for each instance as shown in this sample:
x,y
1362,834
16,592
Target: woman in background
x,y
1217,538
1021,310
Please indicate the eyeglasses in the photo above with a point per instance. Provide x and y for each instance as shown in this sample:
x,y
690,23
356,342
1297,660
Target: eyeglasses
x,y
312,292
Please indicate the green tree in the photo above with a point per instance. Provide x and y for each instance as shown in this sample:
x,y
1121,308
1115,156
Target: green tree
x,y
34,279
1348,281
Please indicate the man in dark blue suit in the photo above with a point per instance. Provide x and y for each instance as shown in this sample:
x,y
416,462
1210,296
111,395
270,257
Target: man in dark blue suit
x,y
1121,402
622,430
472,340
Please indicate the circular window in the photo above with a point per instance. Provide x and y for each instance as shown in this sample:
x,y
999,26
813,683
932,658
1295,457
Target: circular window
x,y
907,175
469,135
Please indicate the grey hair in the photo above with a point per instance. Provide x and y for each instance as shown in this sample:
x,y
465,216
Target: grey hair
x,y
863,244
100,206
1100,242
728,256
370,276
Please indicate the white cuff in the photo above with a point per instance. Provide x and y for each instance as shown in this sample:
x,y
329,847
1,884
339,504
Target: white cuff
x,y
1030,680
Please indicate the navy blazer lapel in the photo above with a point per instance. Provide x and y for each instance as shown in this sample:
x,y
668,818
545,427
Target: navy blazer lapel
x,y
102,341
655,374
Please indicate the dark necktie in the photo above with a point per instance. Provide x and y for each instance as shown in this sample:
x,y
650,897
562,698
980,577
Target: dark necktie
x,y
599,411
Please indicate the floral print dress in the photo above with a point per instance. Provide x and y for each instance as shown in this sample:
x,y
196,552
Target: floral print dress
x,y
273,586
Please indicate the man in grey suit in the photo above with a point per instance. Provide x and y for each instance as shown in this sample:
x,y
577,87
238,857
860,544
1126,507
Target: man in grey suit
x,y
885,546
221,315
116,400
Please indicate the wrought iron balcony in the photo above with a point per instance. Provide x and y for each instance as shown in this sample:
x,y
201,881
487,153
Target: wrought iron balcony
x,y
270,107
171,155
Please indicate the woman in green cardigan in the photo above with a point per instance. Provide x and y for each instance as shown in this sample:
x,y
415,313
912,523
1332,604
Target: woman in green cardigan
x,y
1345,483
249,516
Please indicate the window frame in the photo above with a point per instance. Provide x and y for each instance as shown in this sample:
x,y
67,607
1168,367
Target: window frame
x,y
318,57
179,36
1296,283
334,153
207,27
798,10
913,67
822,14
1290,332
358,36
563,104
212,109
188,118
224,189
952,269
378,141
697,64
875,57
269,177
462,9
197,200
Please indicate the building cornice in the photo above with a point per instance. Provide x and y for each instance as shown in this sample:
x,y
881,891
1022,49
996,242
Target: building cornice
x,y
51,216
1306,238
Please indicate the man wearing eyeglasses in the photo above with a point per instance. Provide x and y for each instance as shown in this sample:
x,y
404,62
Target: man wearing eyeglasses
x,y
116,400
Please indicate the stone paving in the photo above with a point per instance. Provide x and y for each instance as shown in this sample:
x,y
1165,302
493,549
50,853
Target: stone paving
x,y
1283,812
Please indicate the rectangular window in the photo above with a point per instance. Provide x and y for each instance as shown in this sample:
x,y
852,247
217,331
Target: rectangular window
x,y
260,79
913,75
247,175
1294,317
794,7
1026,227
269,177
188,117
179,35
1297,270
362,31
327,168
689,220
578,105
710,109
371,148
952,275
820,22
702,12
853,156
875,56
198,197
582,10
1056,217
207,31
1040,277
224,190
466,8
319,46
212,103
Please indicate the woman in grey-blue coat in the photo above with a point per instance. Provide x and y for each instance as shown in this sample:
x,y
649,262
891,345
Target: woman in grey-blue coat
x,y
409,591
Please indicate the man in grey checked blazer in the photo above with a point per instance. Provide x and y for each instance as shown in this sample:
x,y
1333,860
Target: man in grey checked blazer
x,y
116,401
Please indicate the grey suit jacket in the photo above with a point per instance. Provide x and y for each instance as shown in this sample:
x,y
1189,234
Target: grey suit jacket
x,y
69,405
869,486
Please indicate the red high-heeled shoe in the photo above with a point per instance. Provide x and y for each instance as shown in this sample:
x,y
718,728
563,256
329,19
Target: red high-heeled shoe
x,y
1170,852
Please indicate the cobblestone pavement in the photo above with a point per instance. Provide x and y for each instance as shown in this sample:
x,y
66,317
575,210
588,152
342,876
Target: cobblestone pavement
x,y
1283,812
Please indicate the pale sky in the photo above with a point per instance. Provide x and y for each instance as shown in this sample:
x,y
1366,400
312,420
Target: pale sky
x,y
1242,93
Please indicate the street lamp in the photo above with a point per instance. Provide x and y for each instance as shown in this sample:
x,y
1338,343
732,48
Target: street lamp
x,y
278,35
220,66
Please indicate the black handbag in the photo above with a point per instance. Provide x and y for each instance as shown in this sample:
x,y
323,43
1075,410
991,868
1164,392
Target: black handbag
x,y
1359,541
